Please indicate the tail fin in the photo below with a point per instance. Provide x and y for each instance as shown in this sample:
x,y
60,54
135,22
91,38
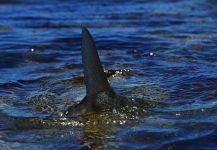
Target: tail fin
x,y
95,78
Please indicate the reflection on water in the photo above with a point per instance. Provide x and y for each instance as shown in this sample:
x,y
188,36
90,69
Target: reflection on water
x,y
159,54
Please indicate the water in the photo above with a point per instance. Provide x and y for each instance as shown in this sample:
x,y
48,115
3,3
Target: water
x,y
161,52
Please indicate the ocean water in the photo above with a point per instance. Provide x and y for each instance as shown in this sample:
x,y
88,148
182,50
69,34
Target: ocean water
x,y
163,53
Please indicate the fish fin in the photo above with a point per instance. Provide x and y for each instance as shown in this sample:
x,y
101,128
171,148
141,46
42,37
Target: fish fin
x,y
94,75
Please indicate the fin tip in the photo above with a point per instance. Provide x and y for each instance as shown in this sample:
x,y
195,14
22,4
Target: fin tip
x,y
83,27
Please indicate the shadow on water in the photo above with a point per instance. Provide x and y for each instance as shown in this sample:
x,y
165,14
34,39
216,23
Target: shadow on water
x,y
10,1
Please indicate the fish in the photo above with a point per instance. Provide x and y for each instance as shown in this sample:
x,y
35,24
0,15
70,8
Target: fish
x,y
99,94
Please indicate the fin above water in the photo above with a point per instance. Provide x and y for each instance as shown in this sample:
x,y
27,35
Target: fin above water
x,y
98,91
95,78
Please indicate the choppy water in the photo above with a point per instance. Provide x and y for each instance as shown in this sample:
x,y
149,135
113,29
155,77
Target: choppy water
x,y
163,52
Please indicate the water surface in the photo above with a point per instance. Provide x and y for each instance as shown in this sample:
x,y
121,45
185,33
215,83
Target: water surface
x,y
161,52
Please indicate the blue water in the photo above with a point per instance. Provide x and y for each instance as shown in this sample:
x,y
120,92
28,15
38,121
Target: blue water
x,y
161,52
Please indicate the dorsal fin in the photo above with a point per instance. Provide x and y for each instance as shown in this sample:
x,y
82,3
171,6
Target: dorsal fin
x,y
95,78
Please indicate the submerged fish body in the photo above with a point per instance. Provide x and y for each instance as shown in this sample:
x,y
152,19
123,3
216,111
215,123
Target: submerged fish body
x,y
99,94
103,101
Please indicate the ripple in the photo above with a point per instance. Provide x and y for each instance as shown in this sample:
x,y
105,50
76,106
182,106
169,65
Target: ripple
x,y
160,54
109,74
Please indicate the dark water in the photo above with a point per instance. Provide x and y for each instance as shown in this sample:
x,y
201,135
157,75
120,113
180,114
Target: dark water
x,y
163,52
